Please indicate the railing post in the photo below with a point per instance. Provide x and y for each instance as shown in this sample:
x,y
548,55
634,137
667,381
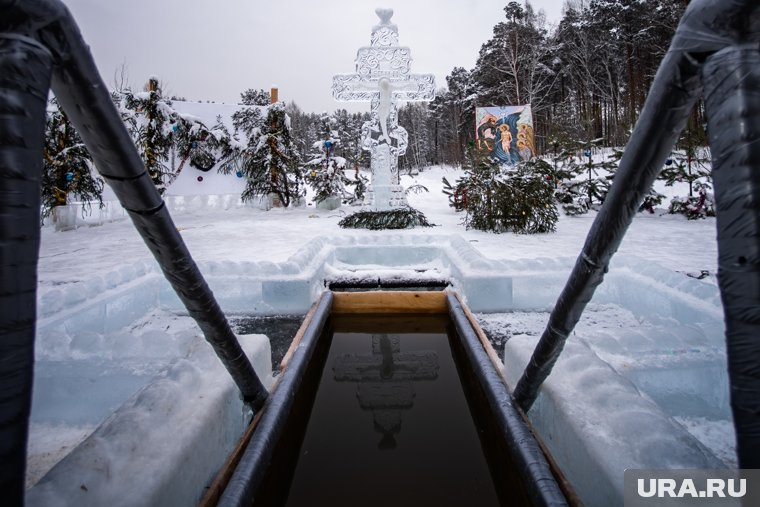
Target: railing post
x,y
25,70
84,96
732,102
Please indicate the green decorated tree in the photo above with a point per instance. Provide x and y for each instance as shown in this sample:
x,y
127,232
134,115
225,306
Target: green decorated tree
x,y
194,143
67,165
325,171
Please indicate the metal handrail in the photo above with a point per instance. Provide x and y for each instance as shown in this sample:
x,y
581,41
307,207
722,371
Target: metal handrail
x,y
41,48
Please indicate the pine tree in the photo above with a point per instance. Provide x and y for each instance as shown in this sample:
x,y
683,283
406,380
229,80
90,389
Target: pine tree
x,y
252,97
67,165
270,162
325,171
700,206
192,142
690,165
149,118
248,121
499,199
349,129
585,180
227,149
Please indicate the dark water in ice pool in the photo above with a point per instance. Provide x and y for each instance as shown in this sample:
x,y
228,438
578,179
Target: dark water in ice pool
x,y
280,329
390,426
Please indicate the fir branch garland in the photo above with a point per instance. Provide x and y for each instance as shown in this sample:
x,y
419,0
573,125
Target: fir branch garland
x,y
399,218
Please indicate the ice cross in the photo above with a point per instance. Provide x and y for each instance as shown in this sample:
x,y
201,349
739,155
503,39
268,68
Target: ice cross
x,y
385,380
383,77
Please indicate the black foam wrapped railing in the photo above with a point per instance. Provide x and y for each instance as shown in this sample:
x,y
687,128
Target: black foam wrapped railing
x,y
716,46
40,39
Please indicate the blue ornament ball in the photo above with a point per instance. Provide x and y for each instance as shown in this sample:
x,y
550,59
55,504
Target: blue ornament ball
x,y
669,162
587,153
195,144
239,174
69,177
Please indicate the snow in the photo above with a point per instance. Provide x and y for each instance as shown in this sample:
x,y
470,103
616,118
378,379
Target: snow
x,y
125,379
632,389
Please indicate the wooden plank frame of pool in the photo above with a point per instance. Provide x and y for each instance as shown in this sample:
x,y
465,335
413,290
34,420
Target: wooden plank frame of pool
x,y
517,459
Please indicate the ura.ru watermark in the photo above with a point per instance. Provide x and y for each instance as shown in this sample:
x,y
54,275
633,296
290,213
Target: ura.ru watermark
x,y
691,487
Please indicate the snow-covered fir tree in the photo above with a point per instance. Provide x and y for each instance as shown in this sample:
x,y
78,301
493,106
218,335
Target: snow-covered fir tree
x,y
226,147
149,119
67,165
248,120
325,171
349,128
252,97
691,165
270,161
584,177
500,198
696,206
167,140
194,143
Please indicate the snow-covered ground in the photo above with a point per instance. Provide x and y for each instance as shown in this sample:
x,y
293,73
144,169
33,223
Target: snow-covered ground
x,y
104,335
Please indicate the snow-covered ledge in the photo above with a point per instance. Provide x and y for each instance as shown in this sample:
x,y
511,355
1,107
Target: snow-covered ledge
x,y
290,287
596,423
135,456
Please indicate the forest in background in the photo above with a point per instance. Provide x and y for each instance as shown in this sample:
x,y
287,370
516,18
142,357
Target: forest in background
x,y
586,79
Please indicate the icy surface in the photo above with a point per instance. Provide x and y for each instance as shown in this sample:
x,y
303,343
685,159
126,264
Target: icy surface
x,y
629,391
108,323
151,405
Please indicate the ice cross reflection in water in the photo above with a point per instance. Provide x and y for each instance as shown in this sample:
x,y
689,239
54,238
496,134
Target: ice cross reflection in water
x,y
383,77
384,381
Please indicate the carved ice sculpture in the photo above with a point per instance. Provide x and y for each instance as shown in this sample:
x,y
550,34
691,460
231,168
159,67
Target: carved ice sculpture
x,y
383,76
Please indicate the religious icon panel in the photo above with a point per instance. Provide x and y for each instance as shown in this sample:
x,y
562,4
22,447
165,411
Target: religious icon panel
x,y
505,132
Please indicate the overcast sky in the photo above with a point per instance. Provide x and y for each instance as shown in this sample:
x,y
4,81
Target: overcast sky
x,y
213,50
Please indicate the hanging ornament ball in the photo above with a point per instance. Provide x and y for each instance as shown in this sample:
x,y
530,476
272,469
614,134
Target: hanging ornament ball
x,y
69,177
239,174
200,178
313,173
328,144
195,144
175,127
587,153
669,162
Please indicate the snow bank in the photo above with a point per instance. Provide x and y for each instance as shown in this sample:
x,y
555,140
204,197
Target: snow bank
x,y
289,287
641,382
597,424
164,444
